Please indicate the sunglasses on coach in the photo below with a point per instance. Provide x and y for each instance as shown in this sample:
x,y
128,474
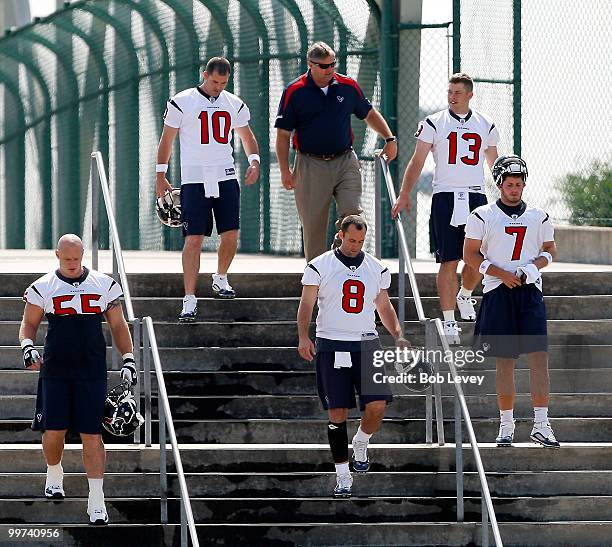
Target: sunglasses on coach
x,y
324,66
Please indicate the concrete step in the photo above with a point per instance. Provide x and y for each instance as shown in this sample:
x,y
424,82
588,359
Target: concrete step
x,y
585,534
285,309
280,383
287,358
305,484
360,508
312,458
289,407
261,285
284,333
394,430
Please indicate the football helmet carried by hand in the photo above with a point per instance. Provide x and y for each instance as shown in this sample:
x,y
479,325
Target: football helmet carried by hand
x,y
508,165
120,415
168,208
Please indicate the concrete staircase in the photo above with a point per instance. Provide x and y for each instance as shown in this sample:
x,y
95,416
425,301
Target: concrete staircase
x,y
253,439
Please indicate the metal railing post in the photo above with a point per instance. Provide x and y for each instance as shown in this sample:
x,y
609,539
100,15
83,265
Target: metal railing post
x,y
95,214
401,288
429,348
163,476
146,360
485,520
459,460
378,223
183,525
136,342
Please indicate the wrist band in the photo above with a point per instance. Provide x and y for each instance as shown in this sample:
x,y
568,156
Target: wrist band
x,y
484,265
26,342
161,167
254,157
547,256
129,356
391,139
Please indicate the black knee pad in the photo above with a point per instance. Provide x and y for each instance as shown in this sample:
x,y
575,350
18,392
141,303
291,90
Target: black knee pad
x,y
338,441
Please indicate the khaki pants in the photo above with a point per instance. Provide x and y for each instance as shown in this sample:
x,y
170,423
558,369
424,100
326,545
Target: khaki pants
x,y
316,182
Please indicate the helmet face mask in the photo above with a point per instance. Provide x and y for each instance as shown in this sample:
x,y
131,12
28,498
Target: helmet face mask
x,y
120,415
168,208
509,165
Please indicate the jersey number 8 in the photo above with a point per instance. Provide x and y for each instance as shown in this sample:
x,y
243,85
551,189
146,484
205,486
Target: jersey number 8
x,y
353,292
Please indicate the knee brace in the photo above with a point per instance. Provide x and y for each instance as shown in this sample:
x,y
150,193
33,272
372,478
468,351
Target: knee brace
x,y
338,441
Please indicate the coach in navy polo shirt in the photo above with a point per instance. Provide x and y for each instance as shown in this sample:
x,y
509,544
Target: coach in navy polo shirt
x,y
317,108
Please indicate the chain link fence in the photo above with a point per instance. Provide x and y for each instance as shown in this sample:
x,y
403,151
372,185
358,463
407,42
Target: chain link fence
x,y
97,74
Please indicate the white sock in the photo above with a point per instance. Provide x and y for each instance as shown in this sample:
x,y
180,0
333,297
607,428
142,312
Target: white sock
x,y
55,475
189,297
96,494
506,416
449,315
362,436
540,414
342,469
221,280
189,303
464,292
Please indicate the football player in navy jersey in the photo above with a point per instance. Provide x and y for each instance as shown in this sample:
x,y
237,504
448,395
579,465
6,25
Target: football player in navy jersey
x,y
72,380
348,285
509,242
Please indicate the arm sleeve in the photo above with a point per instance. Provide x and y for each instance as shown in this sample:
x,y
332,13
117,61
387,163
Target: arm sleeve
x,y
243,115
426,131
385,279
547,230
362,104
34,296
474,229
114,291
173,115
285,117
311,276
493,138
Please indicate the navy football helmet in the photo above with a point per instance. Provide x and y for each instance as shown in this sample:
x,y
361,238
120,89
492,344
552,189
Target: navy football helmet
x,y
509,165
120,415
168,208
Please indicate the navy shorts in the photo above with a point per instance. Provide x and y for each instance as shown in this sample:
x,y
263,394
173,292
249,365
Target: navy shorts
x,y
337,386
77,405
446,241
511,322
197,210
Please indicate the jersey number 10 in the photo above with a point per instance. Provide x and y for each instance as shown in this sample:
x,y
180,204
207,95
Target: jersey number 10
x,y
221,135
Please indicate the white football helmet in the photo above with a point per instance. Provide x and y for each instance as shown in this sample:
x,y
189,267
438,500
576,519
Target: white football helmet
x,y
168,208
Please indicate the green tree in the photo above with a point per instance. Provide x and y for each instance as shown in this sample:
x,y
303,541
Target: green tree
x,y
589,195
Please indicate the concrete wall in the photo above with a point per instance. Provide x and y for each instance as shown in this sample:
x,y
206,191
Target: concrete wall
x,y
584,244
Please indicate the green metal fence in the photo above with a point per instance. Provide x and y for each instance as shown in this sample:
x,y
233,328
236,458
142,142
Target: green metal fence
x,y
96,75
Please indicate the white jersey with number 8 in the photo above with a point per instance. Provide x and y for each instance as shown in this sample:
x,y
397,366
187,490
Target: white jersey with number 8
x,y
346,295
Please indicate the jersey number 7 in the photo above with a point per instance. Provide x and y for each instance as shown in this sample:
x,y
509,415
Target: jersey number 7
x,y
519,232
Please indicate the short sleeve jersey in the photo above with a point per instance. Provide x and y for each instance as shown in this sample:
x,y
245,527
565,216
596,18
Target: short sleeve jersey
x,y
75,347
458,148
508,241
205,127
346,295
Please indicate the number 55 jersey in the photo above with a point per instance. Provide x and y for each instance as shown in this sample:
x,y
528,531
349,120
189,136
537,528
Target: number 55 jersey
x,y
347,290
74,345
510,236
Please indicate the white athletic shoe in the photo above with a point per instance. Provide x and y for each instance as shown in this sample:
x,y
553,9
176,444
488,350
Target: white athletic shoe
x,y
359,459
344,484
506,434
451,331
54,491
466,307
98,515
189,311
543,434
221,287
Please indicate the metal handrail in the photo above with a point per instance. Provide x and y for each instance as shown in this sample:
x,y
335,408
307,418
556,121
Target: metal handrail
x,y
100,180
487,509
165,420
